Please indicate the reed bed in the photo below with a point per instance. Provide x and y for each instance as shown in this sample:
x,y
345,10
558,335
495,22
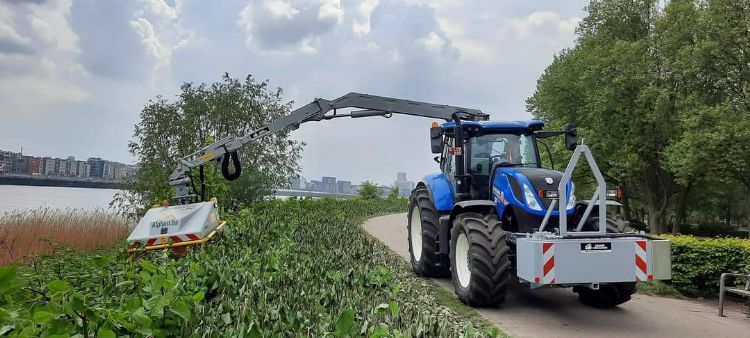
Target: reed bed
x,y
26,233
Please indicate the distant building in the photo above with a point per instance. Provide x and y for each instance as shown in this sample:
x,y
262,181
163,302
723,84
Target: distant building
x,y
344,187
35,165
329,184
96,167
401,177
61,167
299,183
317,186
83,169
404,187
49,166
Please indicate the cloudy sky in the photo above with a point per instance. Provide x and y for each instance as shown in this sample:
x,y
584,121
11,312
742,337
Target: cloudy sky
x,y
75,74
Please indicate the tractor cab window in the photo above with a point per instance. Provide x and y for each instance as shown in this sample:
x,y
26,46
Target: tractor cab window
x,y
489,150
504,149
448,161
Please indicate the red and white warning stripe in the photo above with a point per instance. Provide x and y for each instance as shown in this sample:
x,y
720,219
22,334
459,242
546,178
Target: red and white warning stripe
x,y
548,269
166,239
641,262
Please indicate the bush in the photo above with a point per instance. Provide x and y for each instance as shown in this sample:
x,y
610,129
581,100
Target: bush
x,y
282,268
697,263
714,230
369,191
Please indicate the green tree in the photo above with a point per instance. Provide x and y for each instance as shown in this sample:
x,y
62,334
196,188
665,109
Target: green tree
x,y
369,191
716,141
200,114
394,193
610,84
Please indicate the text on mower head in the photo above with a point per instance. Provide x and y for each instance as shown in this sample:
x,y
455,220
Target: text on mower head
x,y
164,224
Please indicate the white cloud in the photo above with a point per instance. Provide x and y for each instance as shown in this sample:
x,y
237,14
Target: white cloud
x,y
540,24
162,9
280,9
149,39
331,9
433,42
288,26
361,24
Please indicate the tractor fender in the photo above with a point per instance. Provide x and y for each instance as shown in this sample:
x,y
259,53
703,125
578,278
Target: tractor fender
x,y
481,206
441,191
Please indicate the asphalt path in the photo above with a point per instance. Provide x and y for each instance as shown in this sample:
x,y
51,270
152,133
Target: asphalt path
x,y
557,312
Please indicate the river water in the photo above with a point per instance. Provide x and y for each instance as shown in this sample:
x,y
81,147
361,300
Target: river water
x,y
16,197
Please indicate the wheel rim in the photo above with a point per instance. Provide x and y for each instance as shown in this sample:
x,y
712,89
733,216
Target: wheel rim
x,y
416,233
462,260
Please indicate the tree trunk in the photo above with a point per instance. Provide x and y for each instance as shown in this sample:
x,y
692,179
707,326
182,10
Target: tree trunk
x,y
679,217
656,219
658,184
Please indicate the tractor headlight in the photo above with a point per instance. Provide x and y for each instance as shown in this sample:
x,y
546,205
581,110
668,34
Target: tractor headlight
x,y
530,199
572,199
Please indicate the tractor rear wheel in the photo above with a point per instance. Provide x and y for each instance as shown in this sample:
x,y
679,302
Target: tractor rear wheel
x,y
479,259
608,295
422,232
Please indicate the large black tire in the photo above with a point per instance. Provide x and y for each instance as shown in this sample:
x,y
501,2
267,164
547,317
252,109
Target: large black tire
x,y
608,295
486,258
425,259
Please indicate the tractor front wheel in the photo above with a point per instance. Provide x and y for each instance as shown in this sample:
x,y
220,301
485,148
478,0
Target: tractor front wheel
x,y
422,232
479,260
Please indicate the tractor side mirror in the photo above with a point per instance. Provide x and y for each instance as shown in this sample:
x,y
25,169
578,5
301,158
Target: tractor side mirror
x,y
436,140
571,136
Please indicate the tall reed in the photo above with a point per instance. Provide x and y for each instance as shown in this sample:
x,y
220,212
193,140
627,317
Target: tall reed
x,y
37,231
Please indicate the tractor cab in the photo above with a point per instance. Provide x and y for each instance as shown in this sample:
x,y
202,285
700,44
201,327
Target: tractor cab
x,y
499,162
489,146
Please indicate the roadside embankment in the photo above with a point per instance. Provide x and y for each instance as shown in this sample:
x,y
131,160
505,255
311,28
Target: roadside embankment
x,y
281,268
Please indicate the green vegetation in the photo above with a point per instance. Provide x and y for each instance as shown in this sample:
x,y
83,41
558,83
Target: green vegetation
x,y
394,193
698,263
369,191
660,93
658,288
199,115
282,268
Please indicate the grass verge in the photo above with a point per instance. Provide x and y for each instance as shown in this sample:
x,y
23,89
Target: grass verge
x,y
282,268
658,288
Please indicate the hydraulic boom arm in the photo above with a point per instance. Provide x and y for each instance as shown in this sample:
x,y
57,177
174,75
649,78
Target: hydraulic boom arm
x,y
314,111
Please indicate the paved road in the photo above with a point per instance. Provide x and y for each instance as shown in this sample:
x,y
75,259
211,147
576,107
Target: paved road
x,y
557,313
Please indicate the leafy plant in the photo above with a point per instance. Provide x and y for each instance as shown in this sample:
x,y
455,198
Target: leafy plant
x,y
369,191
282,268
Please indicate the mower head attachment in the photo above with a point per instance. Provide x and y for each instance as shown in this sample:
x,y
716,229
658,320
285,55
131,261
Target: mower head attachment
x,y
176,226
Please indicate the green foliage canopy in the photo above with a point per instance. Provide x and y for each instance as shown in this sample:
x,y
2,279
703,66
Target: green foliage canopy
x,y
369,191
660,95
199,115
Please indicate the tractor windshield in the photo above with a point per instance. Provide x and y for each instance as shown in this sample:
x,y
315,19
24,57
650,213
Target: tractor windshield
x,y
508,149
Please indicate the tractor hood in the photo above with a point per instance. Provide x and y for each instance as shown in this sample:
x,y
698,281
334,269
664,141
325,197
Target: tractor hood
x,y
536,179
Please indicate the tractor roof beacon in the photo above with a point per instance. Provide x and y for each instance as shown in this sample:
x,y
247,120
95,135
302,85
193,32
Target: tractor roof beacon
x,y
493,212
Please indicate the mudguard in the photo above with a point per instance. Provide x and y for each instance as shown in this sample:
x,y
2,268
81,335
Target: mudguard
x,y
441,191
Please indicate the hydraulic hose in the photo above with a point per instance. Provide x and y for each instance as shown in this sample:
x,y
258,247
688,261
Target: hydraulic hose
x,y
225,166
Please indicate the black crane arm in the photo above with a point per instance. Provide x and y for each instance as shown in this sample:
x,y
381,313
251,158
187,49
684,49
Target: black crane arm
x,y
314,111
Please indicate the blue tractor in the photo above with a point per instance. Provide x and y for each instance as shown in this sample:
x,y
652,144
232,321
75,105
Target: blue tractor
x,y
492,214
493,202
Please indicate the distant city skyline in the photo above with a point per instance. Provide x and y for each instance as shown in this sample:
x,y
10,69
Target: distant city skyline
x,y
331,185
19,163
